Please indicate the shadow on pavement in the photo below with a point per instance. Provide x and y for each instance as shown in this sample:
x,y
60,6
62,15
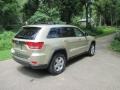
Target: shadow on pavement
x,y
76,59
38,73
35,73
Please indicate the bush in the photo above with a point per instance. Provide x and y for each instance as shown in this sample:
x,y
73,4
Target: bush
x,y
117,36
100,31
6,40
116,45
106,29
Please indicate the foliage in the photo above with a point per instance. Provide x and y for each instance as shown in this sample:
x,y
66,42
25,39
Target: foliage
x,y
76,20
69,8
10,13
115,45
44,14
107,12
5,54
117,36
116,42
6,40
30,8
101,30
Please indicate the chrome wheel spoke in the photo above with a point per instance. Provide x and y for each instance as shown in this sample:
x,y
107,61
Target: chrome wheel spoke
x,y
59,64
92,50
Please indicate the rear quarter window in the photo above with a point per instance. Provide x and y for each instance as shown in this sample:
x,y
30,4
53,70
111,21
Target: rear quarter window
x,y
28,33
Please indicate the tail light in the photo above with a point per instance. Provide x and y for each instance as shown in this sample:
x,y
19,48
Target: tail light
x,y
35,45
34,62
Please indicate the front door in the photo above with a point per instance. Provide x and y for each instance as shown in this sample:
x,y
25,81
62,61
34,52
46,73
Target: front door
x,y
82,40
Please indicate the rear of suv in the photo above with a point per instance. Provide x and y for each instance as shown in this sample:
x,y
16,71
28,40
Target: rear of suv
x,y
50,46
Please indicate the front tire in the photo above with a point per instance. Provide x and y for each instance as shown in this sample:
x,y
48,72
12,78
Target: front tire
x,y
91,51
57,64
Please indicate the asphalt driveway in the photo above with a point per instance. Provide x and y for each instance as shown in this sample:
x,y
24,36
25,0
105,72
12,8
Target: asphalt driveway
x,y
100,72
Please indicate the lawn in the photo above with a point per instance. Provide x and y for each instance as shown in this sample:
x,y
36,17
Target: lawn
x,y
5,54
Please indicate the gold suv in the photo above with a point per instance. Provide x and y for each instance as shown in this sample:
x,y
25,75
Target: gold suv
x,y
50,46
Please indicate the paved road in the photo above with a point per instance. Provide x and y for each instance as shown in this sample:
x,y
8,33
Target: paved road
x,y
100,72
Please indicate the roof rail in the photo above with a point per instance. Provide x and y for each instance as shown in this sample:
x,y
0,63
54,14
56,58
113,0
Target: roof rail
x,y
51,23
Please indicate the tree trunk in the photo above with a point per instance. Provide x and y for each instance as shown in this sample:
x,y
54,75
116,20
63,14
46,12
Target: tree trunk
x,y
86,7
100,21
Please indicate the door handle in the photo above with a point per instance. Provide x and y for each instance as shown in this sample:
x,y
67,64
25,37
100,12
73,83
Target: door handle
x,y
65,41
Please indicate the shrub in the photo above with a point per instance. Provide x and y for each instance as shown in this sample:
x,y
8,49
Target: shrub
x,y
102,30
6,40
115,45
117,36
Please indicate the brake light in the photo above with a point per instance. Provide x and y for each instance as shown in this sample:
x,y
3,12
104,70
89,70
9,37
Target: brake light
x,y
34,62
35,45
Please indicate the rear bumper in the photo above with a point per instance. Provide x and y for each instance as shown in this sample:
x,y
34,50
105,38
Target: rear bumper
x,y
39,59
28,64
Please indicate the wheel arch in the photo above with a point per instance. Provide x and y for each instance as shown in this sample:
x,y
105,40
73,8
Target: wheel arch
x,y
93,42
61,50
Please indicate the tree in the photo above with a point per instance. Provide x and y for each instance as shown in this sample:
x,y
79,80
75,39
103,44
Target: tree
x,y
44,15
68,9
10,13
107,11
30,8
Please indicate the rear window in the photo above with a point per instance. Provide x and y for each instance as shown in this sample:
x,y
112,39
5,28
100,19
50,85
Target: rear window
x,y
28,33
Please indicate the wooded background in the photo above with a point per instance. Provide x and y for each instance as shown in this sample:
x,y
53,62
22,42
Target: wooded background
x,y
16,12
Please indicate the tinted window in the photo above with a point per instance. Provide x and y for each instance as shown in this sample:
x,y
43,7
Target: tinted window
x,y
61,32
54,33
78,32
67,32
28,33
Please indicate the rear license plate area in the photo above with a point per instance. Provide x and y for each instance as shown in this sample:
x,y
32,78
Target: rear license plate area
x,y
18,44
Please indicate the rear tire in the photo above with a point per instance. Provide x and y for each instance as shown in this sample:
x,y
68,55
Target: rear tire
x,y
91,51
57,64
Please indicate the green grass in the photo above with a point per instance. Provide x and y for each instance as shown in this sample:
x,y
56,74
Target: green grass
x,y
4,55
106,31
5,44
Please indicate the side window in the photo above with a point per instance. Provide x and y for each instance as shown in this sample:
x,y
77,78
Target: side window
x,y
54,33
60,32
67,32
78,32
